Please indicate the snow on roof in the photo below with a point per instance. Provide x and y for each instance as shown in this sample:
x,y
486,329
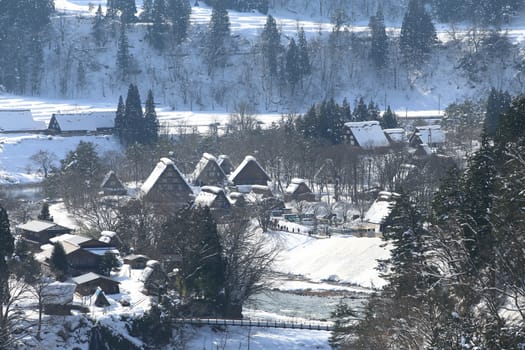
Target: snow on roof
x,y
430,134
61,238
77,240
381,208
102,251
296,182
395,134
105,239
159,169
85,121
205,199
244,163
90,276
19,120
59,293
212,189
369,134
36,225
110,234
201,165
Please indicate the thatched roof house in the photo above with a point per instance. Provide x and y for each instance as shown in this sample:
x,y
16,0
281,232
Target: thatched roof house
x,y
225,163
298,190
208,172
249,172
166,185
112,186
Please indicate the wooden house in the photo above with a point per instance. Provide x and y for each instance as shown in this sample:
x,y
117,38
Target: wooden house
x,y
83,253
298,190
112,186
432,135
38,232
166,185
395,135
82,123
379,210
88,283
136,261
226,164
19,120
249,172
365,135
213,198
208,172
237,199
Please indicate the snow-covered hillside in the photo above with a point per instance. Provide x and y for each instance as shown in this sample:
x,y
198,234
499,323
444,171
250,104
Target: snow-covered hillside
x,y
182,80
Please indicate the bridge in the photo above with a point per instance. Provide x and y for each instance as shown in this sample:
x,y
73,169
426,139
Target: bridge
x,y
312,326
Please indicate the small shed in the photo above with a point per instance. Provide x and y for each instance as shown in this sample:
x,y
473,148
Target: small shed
x,y
249,172
237,199
298,190
112,186
136,261
100,299
213,198
40,232
432,135
88,283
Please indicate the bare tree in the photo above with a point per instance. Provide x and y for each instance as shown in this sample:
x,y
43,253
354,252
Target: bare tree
x,y
248,257
43,292
11,315
45,160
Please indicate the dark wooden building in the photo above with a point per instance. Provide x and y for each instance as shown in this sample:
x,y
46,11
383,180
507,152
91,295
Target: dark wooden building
x,y
87,284
213,198
112,186
102,122
38,232
208,172
298,190
166,186
249,172
136,261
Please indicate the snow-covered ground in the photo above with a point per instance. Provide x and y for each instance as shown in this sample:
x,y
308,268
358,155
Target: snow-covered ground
x,y
351,259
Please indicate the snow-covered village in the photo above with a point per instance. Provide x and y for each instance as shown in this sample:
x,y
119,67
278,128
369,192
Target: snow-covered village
x,y
262,174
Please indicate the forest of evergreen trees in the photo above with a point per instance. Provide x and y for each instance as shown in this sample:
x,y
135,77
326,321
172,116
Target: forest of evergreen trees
x,y
455,275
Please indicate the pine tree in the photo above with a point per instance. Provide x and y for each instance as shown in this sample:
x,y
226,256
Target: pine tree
x,y
133,131
389,120
346,111
128,9
120,120
157,30
112,9
379,49
44,213
147,11
151,123
178,11
58,262
6,250
373,111
271,45
304,58
360,111
98,30
293,68
123,55
418,34
498,103
219,30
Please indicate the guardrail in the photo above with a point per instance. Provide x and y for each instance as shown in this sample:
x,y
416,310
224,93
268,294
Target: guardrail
x,y
313,326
